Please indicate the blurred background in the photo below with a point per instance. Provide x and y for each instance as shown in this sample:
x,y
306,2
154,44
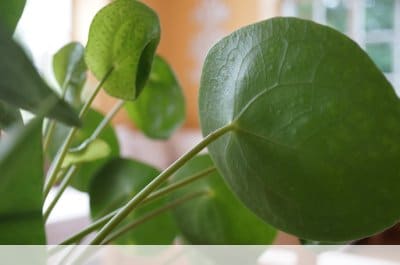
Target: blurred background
x,y
191,27
189,30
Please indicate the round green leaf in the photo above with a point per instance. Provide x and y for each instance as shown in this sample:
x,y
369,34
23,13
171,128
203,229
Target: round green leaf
x,y
160,108
114,185
70,71
123,37
217,217
86,170
10,12
315,146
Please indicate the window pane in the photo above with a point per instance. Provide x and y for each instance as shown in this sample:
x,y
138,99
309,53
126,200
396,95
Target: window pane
x,y
336,14
382,54
305,9
379,14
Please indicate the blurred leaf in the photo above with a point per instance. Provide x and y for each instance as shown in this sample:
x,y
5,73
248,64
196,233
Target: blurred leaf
x,y
85,171
21,183
116,183
22,87
160,108
96,150
123,36
9,115
217,218
70,71
10,13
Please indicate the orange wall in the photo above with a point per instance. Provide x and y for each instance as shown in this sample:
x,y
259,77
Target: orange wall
x,y
182,26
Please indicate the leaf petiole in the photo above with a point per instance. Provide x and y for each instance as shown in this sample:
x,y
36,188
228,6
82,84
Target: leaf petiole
x,y
146,191
56,164
153,196
99,129
151,215
64,184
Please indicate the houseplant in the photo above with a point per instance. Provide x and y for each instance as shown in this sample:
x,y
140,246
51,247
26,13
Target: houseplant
x,y
297,119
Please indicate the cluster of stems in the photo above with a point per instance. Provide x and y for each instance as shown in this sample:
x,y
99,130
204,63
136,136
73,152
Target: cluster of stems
x,y
108,223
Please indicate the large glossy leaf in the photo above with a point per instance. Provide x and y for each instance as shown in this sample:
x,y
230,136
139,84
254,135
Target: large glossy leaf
x,y
315,147
21,183
9,115
10,12
70,71
160,108
123,36
217,217
85,171
22,87
116,183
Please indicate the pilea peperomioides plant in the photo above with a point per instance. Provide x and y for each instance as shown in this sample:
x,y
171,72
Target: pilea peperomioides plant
x,y
298,120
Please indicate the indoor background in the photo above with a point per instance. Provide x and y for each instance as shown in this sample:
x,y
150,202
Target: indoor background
x,y
189,30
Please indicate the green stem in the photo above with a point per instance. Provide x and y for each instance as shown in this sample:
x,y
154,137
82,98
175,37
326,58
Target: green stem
x,y
87,253
52,123
93,137
153,196
49,135
151,215
102,125
56,165
86,231
146,191
172,187
67,255
64,184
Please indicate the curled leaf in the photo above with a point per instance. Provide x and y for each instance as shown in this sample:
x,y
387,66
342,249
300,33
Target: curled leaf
x,y
123,38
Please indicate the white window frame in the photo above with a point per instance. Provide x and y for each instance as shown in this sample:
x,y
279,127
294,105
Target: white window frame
x,y
357,30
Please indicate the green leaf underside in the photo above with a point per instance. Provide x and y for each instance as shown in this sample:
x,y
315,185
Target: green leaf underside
x,y
85,171
160,108
70,71
9,116
123,36
21,221
10,12
217,217
315,150
117,182
96,150
22,87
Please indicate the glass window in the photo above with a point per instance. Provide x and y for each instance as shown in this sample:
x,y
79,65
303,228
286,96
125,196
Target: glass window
x,y
374,24
305,9
337,14
379,14
382,55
